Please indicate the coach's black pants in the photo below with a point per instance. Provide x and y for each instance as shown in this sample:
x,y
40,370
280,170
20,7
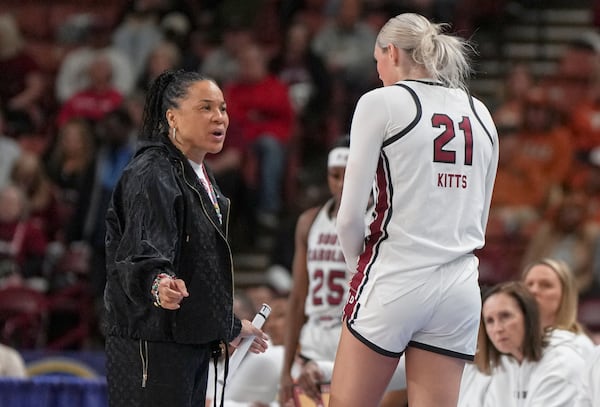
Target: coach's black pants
x,y
155,374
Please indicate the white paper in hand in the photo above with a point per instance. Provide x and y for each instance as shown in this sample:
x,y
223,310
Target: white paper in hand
x,y
240,352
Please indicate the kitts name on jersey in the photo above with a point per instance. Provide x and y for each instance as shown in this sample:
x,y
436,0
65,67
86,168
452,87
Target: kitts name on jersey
x,y
447,180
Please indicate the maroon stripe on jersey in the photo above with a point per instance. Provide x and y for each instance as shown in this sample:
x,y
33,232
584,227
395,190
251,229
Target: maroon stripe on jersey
x,y
376,236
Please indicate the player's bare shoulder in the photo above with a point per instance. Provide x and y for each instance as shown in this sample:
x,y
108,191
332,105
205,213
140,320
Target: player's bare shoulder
x,y
305,221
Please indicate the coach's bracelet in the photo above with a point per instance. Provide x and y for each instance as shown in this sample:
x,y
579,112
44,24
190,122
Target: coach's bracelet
x,y
154,290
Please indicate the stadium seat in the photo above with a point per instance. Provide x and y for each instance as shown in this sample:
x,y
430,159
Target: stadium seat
x,y
23,317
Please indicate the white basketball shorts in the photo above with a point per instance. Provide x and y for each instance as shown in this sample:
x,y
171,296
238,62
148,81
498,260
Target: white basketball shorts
x,y
320,341
437,310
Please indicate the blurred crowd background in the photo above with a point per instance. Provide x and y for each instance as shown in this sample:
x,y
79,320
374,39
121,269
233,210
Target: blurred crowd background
x,y
72,79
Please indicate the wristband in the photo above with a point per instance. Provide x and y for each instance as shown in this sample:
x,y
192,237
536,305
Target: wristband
x,y
154,290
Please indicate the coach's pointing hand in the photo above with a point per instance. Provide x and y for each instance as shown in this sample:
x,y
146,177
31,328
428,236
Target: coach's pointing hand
x,y
171,291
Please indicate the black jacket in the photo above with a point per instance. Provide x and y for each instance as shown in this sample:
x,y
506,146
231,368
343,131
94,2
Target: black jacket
x,y
161,219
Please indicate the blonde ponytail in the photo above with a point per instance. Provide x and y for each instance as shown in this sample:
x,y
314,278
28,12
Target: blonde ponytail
x,y
445,57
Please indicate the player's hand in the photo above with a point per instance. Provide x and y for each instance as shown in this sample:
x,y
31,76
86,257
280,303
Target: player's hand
x,y
171,292
259,345
286,388
310,379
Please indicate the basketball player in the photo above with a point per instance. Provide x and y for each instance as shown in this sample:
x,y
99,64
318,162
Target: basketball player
x,y
320,281
429,152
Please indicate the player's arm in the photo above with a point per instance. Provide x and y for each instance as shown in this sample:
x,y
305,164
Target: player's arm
x,y
369,125
297,298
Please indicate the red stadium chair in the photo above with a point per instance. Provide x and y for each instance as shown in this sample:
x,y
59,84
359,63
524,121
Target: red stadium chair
x,y
73,306
23,317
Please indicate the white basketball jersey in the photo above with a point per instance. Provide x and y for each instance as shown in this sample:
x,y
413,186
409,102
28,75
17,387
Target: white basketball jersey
x,y
328,283
435,175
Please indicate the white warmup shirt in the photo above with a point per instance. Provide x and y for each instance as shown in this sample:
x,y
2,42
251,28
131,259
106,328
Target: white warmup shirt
x,y
473,386
589,394
553,381
256,381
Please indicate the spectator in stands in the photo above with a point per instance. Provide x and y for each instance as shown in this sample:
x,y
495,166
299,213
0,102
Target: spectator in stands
x,y
259,106
10,151
567,234
176,28
73,73
583,121
376,14
553,285
314,14
309,83
23,85
116,148
134,105
589,395
516,85
310,89
346,45
70,161
43,207
576,70
474,381
98,98
221,63
469,15
520,196
260,294
164,56
138,34
22,241
587,180
526,367
196,50
544,142
11,363
519,191
267,26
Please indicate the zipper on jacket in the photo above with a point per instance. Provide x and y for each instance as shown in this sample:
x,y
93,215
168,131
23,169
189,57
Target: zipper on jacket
x,y
144,357
203,208
232,273
222,235
227,219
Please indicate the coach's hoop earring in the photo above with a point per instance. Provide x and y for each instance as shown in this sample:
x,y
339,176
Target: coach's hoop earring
x,y
175,135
